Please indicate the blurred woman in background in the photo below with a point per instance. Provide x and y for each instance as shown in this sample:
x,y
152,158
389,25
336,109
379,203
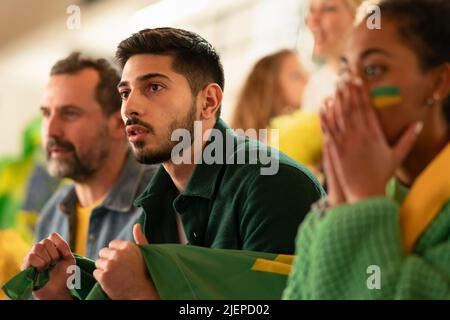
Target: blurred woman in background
x,y
300,137
330,22
274,87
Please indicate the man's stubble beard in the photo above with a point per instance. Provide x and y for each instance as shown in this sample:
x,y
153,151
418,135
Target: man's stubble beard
x,y
164,154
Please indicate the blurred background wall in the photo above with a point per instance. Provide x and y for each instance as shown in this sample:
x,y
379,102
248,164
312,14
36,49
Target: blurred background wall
x,y
36,33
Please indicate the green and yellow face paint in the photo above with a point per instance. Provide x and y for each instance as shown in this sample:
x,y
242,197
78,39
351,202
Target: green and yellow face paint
x,y
385,97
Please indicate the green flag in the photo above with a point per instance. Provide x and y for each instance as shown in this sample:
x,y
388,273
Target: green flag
x,y
184,272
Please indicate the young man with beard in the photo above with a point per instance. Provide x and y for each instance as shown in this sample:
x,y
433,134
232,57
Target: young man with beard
x,y
83,136
171,79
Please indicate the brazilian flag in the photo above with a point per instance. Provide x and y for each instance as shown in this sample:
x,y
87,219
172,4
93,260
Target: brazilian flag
x,y
386,97
20,200
183,272
15,236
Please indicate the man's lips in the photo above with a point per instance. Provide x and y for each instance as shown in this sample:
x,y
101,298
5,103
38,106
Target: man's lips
x,y
136,132
58,152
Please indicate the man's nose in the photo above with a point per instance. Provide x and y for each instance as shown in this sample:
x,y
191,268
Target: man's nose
x,y
52,126
133,106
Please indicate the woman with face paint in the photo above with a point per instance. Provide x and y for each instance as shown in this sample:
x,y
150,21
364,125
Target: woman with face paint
x,y
383,232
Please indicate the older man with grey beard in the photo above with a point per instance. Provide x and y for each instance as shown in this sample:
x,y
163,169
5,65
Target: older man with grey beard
x,y
84,139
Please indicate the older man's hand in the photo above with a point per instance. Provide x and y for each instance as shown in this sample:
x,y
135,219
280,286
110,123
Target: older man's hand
x,y
55,251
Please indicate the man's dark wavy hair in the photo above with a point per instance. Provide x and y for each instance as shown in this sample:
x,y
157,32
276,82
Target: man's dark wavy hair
x,y
193,56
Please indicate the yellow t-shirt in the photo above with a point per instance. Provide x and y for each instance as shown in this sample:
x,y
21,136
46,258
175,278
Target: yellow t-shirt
x,y
83,215
300,137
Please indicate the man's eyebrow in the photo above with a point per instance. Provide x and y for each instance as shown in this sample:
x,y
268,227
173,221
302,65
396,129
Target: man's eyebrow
x,y
151,76
122,84
143,78
70,106
62,107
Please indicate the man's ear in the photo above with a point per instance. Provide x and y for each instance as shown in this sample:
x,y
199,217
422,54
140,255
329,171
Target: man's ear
x,y
441,89
211,98
116,126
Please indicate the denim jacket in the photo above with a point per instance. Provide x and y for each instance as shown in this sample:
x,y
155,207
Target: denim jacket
x,y
113,219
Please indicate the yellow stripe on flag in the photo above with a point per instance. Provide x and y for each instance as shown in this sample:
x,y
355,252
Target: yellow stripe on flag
x,y
272,266
386,101
284,258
